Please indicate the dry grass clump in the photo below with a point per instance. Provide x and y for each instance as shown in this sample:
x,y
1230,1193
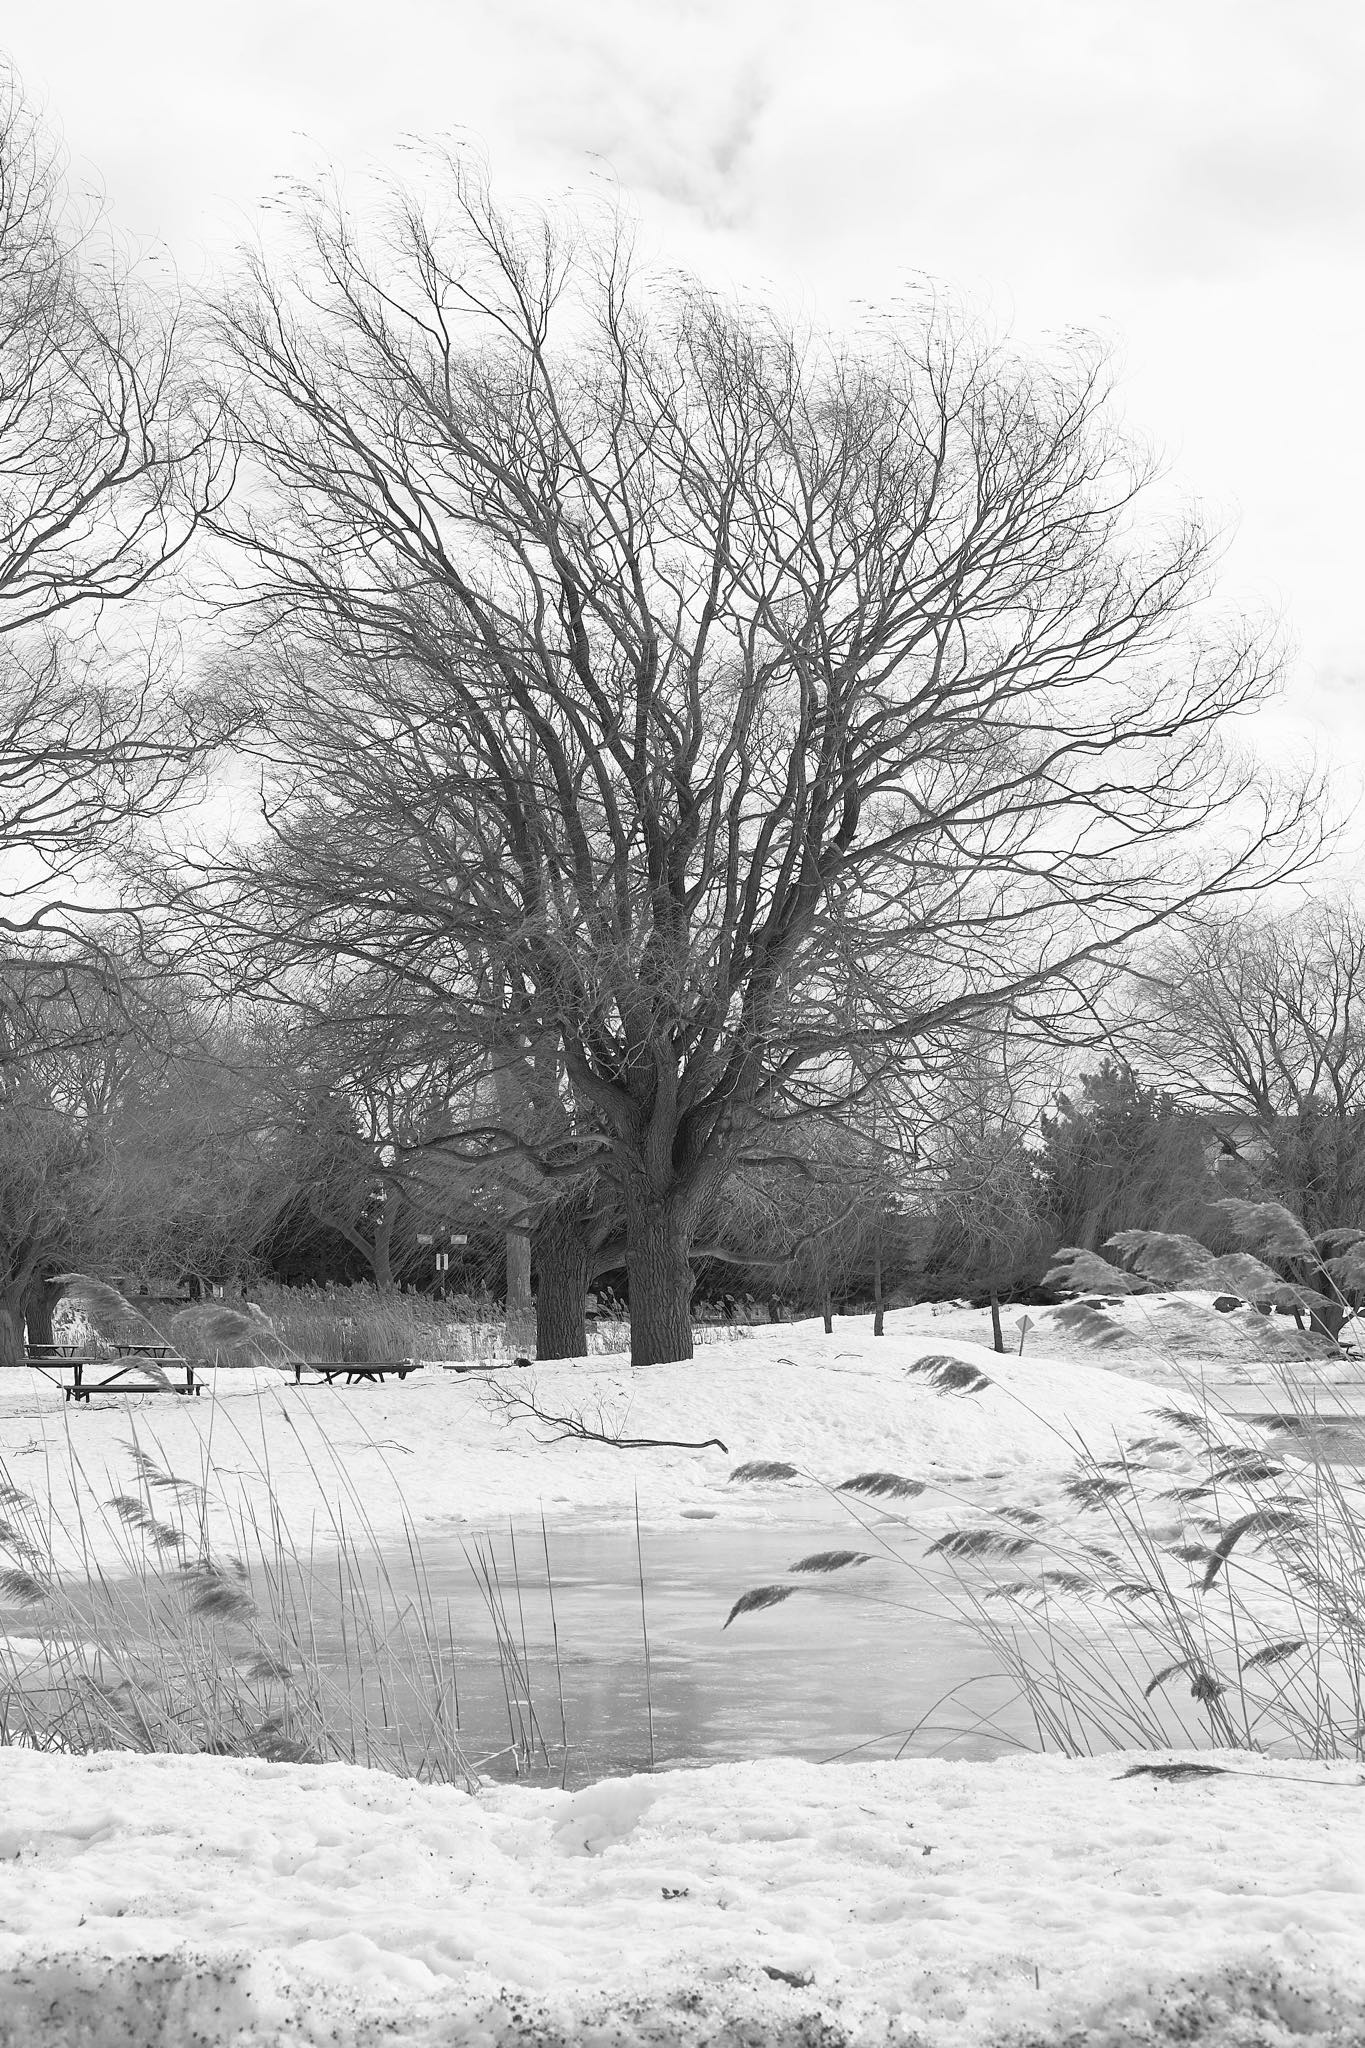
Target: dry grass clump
x,y
756,1598
252,1647
830,1560
883,1485
215,1632
1239,1590
1242,1589
1194,1586
95,1313
950,1375
1240,1586
220,1334
359,1324
1227,1612
355,1324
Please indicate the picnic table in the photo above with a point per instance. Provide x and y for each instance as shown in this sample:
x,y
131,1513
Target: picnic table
x,y
364,1370
126,1372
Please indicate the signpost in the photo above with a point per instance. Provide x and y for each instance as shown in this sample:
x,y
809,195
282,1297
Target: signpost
x,y
443,1256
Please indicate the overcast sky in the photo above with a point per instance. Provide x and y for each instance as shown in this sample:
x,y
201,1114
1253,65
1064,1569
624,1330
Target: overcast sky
x,y
1188,176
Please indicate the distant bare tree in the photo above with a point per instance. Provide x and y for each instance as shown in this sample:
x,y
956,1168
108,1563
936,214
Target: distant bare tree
x,y
68,1039
1259,1019
135,1135
105,471
760,705
411,1098
978,1179
192,1173
802,1228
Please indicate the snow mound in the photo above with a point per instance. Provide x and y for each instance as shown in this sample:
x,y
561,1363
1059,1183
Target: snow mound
x,y
1156,1335
606,1812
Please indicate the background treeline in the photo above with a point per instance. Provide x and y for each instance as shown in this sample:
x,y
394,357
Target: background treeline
x,y
153,1139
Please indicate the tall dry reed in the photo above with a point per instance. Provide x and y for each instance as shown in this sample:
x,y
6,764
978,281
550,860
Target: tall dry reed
x,y
177,1613
1200,1582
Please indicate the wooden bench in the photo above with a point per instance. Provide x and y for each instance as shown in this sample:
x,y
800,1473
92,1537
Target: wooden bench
x,y
354,1371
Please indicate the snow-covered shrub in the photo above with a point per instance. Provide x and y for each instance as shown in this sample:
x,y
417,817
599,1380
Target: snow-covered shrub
x,y
1256,1251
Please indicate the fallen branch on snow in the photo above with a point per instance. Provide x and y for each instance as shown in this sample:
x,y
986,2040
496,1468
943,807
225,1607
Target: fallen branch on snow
x,y
575,1426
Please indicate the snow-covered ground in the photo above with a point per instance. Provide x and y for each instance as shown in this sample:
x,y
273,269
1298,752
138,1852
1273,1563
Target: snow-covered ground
x,y
169,1900
440,1449
1033,1900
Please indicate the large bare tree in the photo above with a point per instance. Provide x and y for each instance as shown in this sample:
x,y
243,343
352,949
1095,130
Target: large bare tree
x,y
733,708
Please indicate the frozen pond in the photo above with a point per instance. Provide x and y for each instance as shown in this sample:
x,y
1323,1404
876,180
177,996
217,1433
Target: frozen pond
x,y
532,1652
860,1659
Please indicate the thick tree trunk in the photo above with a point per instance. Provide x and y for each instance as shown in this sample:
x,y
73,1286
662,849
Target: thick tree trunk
x,y
381,1262
997,1334
658,1239
39,1302
563,1270
12,1325
520,1324
829,1315
1328,1321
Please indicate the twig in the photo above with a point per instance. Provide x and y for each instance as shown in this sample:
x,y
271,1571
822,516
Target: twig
x,y
636,1443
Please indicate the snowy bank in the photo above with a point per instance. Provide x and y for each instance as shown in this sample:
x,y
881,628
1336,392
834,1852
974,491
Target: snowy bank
x,y
440,1450
164,1900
